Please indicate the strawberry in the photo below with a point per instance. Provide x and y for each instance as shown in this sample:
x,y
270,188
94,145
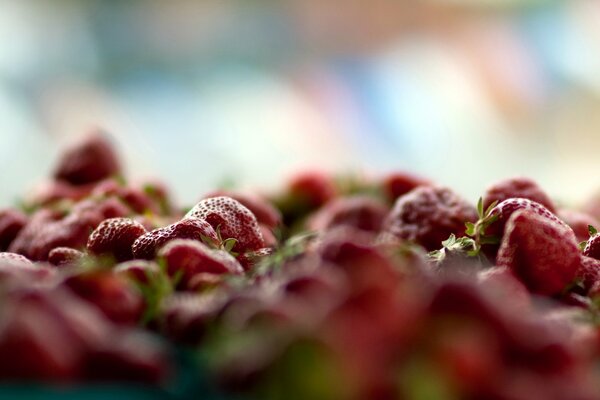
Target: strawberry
x,y
147,245
11,223
71,231
115,237
116,297
87,161
542,252
360,212
398,184
265,213
524,188
592,247
22,242
427,216
230,219
192,257
589,274
489,229
312,188
138,271
64,256
578,221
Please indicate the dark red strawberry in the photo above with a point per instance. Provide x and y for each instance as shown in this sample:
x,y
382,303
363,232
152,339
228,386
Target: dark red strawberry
x,y
146,246
89,160
192,257
64,256
230,219
11,223
360,212
542,252
490,228
398,184
589,274
262,209
140,271
22,243
115,237
312,188
116,297
428,215
592,248
579,222
71,231
519,187
111,207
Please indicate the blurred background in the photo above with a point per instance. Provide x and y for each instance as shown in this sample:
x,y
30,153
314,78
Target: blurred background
x,y
462,91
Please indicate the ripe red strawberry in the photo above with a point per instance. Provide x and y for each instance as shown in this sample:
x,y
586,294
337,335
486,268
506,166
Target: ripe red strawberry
x,y
11,223
312,188
490,228
361,212
89,160
541,252
428,215
115,237
192,257
579,222
64,256
232,220
592,248
398,184
71,231
524,188
141,271
589,273
22,242
262,209
112,294
147,245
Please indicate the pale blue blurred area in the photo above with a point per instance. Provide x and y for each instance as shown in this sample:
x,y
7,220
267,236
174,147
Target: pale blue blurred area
x,y
464,92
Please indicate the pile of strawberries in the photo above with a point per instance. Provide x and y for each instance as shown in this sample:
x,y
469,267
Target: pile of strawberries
x,y
332,289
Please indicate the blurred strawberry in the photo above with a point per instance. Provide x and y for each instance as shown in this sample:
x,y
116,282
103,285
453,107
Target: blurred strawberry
x,y
592,246
230,219
429,215
398,184
312,188
64,256
71,231
147,245
89,160
190,258
540,251
360,212
118,300
579,222
138,271
519,187
11,223
22,242
114,237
